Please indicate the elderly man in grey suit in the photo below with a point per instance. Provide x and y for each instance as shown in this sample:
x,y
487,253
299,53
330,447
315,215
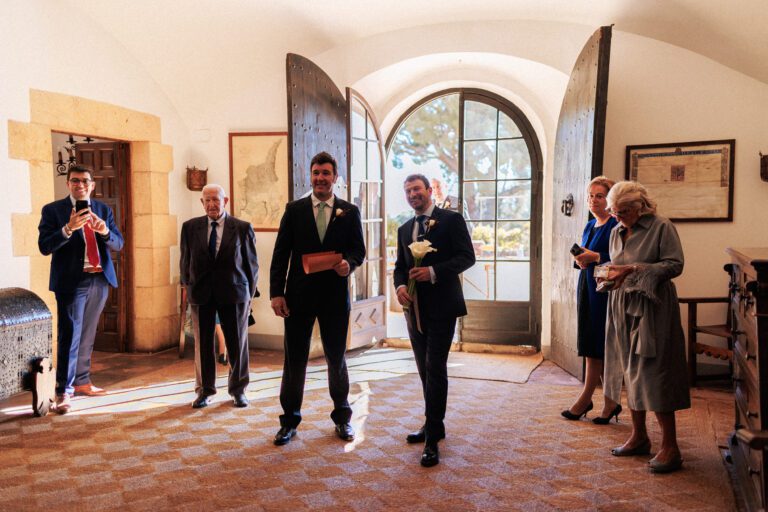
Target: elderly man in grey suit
x,y
219,270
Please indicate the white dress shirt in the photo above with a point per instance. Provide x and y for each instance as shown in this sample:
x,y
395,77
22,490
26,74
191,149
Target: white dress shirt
x,y
328,210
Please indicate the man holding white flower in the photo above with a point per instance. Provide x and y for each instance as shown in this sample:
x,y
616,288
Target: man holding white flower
x,y
433,248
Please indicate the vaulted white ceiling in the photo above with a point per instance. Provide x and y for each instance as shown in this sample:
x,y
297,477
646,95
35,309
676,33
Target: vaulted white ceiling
x,y
188,45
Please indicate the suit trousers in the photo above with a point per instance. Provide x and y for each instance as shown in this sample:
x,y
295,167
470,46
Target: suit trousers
x,y
79,313
234,325
298,333
431,348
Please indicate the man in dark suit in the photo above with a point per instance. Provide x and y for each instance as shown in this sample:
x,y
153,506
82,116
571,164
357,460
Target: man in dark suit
x,y
318,223
81,271
437,302
219,270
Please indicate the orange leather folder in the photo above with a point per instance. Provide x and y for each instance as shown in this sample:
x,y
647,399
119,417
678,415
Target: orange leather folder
x,y
319,261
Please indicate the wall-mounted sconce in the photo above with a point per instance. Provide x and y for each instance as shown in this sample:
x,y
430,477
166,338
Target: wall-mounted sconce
x,y
196,178
763,167
567,205
62,166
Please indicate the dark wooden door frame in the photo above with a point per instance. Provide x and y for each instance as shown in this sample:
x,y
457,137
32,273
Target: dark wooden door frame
x,y
123,219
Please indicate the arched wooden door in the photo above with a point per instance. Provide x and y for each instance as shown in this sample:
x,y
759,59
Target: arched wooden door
x,y
578,158
320,118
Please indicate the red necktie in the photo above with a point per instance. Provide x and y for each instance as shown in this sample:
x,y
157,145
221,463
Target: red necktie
x,y
91,248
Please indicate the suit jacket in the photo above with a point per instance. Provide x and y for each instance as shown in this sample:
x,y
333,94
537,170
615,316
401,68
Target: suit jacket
x,y
231,277
69,253
298,236
455,254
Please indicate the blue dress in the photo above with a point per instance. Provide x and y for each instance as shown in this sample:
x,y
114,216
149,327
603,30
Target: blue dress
x,y
592,305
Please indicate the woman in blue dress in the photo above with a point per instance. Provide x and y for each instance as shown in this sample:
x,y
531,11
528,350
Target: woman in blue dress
x,y
592,305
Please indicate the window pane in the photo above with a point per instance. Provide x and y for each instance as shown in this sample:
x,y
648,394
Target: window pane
x,y
358,197
358,282
480,200
358,120
507,127
479,121
374,161
514,160
358,160
374,239
482,235
480,160
374,201
373,279
371,135
513,281
513,240
514,199
426,143
477,281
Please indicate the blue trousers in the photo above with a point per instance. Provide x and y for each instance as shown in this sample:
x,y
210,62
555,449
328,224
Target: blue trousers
x,y
79,313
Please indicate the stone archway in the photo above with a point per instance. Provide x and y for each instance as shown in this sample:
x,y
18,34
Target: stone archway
x,y
152,298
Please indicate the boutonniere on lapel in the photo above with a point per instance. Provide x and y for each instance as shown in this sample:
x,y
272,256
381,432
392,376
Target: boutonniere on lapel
x,y
431,224
338,213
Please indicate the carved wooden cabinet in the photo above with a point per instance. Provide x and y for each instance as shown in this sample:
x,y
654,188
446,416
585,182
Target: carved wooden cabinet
x,y
749,310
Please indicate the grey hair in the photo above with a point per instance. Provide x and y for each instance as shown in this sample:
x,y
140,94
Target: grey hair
x,y
218,188
631,193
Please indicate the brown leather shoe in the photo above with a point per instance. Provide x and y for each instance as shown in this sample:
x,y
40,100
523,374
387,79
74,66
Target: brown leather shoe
x,y
89,390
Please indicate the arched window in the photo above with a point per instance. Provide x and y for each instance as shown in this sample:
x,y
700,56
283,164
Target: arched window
x,y
482,158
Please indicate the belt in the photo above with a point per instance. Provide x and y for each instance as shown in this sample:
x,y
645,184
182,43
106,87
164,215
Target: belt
x,y
93,270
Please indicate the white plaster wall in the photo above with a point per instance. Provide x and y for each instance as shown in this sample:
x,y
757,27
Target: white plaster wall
x,y
47,47
661,93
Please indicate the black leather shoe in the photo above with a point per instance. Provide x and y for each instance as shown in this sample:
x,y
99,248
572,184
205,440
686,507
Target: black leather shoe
x,y
419,436
344,432
284,436
240,400
431,455
201,401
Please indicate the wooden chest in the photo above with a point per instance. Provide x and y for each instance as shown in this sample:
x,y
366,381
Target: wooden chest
x,y
749,315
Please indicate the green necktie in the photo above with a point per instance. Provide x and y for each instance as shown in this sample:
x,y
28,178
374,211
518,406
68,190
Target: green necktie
x,y
321,222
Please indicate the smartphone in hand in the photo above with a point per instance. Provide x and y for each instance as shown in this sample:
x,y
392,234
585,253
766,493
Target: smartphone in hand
x,y
576,249
81,205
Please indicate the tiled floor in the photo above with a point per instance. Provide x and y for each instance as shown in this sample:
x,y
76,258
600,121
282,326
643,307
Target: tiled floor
x,y
142,447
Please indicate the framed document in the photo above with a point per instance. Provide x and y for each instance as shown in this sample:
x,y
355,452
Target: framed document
x,y
691,181
258,177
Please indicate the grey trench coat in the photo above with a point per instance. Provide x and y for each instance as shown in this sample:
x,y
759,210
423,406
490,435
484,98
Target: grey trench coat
x,y
644,341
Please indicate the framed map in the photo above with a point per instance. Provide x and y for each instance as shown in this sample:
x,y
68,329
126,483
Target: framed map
x,y
691,181
258,177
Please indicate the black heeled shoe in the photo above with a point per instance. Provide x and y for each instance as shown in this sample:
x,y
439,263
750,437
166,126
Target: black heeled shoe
x,y
567,414
604,421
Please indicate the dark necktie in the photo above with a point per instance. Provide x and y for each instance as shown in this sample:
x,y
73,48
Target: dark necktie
x,y
421,220
212,240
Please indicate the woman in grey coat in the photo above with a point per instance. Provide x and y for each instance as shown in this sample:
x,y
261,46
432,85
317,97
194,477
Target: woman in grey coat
x,y
644,342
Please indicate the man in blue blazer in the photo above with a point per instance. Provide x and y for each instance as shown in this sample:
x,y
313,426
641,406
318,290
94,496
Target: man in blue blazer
x,y
319,223
438,300
81,271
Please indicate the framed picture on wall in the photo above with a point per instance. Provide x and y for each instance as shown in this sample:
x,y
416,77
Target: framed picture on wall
x,y
691,181
258,177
